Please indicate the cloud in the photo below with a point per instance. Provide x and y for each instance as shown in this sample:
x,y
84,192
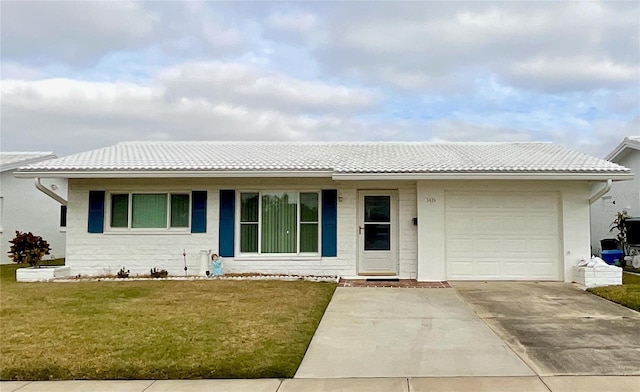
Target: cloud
x,y
79,33
249,86
422,45
67,115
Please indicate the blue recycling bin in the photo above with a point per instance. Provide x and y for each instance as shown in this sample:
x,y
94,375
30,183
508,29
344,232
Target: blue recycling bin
x,y
612,256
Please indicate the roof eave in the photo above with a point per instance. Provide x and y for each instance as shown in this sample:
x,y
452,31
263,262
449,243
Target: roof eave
x,y
26,162
567,176
172,173
620,149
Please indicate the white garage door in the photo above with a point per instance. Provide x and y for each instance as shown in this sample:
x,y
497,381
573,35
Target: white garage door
x,y
502,236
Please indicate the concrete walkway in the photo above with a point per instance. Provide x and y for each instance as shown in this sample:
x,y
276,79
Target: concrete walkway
x,y
557,328
403,332
433,384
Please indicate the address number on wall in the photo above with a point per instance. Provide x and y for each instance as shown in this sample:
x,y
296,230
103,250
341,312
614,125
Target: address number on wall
x,y
430,199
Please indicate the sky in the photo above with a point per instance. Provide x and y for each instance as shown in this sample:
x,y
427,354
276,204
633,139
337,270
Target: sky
x,y
77,76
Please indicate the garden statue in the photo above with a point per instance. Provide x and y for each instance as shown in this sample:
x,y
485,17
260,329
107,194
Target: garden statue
x,y
216,265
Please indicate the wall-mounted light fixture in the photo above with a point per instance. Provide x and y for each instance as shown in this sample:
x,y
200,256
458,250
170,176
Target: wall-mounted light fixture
x,y
340,198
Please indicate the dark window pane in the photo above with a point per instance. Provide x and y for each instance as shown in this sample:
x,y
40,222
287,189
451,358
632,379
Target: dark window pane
x,y
249,207
377,237
179,210
308,207
63,216
309,237
377,208
119,210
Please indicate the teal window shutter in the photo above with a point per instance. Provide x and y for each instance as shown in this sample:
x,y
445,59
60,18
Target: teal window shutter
x,y
96,212
227,221
329,223
199,211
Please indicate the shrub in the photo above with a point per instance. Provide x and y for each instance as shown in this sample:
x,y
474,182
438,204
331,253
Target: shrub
x,y
158,274
122,273
27,248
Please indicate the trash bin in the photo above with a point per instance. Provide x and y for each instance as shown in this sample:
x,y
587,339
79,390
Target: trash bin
x,y
609,244
612,256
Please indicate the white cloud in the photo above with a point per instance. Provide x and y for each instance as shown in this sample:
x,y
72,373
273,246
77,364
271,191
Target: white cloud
x,y
247,85
68,115
74,32
411,46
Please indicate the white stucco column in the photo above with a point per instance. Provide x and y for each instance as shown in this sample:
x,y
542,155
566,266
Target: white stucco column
x,y
431,233
575,226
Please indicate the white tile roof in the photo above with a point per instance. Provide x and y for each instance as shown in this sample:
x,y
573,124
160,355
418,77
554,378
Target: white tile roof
x,y
12,160
336,158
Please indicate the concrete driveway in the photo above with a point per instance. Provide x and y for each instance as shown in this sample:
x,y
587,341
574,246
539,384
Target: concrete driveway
x,y
403,332
558,329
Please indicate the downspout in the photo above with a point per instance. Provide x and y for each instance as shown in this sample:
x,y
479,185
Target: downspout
x,y
49,192
601,192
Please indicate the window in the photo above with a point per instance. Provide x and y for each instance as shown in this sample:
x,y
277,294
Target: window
x,y
149,210
63,216
279,222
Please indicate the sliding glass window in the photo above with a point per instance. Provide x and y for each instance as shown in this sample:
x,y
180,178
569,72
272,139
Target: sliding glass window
x,y
279,222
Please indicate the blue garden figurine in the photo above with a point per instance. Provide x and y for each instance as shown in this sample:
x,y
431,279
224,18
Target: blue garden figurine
x,y
216,265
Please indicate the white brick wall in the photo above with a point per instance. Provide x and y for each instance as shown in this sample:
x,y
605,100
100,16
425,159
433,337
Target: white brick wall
x,y
95,254
595,277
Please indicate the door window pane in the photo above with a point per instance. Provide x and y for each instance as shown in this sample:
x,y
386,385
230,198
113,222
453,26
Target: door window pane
x,y
179,210
119,210
377,237
149,210
279,222
377,209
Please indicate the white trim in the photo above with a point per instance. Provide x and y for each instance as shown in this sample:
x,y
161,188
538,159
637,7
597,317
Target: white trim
x,y
624,144
615,176
173,174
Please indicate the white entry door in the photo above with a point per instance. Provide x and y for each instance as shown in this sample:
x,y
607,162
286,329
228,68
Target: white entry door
x,y
377,233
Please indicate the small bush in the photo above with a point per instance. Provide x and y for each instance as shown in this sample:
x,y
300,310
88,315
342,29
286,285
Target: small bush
x,y
158,274
27,248
123,274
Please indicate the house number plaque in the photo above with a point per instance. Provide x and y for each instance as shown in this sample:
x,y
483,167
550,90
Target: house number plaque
x,y
430,199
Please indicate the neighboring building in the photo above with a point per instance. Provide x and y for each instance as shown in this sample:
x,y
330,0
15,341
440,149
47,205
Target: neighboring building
x,y
431,211
623,196
25,208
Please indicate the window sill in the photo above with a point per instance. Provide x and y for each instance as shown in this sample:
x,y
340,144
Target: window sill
x,y
147,232
63,229
284,256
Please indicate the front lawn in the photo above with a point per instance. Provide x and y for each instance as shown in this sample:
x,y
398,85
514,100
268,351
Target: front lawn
x,y
156,329
628,294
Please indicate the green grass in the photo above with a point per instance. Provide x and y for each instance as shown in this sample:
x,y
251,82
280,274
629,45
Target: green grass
x,y
156,329
628,294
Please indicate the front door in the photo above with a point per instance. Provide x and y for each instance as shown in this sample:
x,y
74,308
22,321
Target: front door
x,y
377,233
